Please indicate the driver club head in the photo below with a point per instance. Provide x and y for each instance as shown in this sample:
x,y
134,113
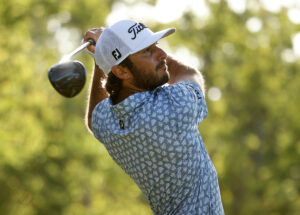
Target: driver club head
x,y
68,78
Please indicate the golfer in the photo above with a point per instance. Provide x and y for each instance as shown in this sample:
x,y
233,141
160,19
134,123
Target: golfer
x,y
147,117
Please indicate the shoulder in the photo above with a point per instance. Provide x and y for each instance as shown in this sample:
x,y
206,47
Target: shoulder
x,y
183,98
181,91
100,112
100,107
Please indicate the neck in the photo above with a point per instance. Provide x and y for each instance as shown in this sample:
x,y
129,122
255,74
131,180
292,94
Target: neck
x,y
126,92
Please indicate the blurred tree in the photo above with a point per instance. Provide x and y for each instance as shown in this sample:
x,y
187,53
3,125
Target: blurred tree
x,y
50,164
252,132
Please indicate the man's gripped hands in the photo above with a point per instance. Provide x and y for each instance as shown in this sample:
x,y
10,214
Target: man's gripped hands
x,y
94,34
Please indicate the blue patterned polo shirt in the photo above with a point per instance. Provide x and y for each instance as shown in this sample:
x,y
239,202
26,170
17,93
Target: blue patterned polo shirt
x,y
153,136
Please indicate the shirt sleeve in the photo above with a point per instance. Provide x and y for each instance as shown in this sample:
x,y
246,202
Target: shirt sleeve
x,y
188,99
98,119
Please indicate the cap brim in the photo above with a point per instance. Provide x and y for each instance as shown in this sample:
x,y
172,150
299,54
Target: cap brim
x,y
153,39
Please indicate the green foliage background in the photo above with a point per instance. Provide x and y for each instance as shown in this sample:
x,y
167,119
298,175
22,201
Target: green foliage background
x,y
50,164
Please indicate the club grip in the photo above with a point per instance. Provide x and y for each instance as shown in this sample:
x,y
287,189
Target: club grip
x,y
91,41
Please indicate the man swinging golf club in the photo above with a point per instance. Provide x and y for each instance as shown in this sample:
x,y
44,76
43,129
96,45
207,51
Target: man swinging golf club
x,y
147,117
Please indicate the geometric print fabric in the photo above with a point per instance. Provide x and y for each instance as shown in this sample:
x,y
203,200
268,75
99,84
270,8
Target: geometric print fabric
x,y
153,136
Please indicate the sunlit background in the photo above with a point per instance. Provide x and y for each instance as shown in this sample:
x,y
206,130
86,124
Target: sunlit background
x,y
168,11
249,54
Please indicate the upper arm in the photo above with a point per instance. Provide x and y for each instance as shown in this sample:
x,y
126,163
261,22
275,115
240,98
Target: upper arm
x,y
88,119
186,98
96,95
89,123
191,75
96,117
182,72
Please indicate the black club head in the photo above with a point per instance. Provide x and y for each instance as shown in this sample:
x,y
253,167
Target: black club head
x,y
68,78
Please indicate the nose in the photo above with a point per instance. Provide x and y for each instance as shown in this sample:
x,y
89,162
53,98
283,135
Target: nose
x,y
161,54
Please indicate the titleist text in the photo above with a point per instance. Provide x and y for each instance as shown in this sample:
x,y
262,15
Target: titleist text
x,y
135,29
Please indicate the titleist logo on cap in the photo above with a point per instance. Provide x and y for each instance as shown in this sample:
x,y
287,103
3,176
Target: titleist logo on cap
x,y
135,29
124,38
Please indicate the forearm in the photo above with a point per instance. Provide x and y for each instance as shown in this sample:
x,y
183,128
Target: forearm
x,y
182,72
97,93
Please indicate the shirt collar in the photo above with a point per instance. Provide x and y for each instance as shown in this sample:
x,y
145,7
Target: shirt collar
x,y
130,104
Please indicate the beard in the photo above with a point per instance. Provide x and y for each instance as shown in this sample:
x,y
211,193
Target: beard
x,y
148,80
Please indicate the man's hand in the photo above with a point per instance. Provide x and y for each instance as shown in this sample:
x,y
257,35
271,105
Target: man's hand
x,y
94,34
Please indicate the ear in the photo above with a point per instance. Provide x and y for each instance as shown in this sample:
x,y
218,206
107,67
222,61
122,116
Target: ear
x,y
121,72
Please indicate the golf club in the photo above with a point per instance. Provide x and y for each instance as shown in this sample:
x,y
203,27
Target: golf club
x,y
68,77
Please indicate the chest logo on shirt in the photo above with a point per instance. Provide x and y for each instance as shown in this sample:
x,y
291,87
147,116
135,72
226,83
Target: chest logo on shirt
x,y
121,123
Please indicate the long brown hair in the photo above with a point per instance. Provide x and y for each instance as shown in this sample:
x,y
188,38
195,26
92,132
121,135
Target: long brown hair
x,y
114,84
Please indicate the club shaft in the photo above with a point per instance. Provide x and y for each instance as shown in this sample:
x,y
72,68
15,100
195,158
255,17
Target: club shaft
x,y
79,49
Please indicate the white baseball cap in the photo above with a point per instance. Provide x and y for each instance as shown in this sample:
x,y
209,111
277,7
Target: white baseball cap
x,y
122,39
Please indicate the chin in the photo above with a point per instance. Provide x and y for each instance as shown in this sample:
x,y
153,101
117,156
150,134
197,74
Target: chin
x,y
166,76
164,79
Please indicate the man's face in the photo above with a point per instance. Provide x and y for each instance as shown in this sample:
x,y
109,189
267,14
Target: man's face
x,y
149,68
